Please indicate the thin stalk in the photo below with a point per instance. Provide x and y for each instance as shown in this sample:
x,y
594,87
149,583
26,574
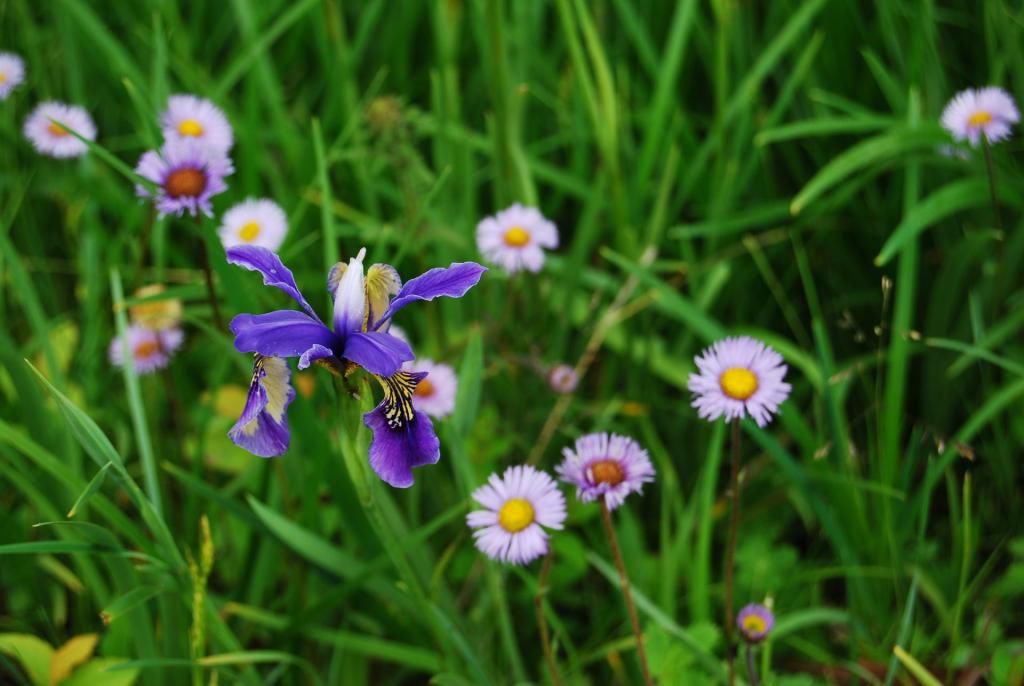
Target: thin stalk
x,y
965,562
752,667
997,218
542,624
606,517
211,291
730,551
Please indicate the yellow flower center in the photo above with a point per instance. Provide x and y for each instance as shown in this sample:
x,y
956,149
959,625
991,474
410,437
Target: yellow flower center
x,y
515,515
424,389
56,129
979,118
249,231
516,237
738,383
190,127
3,77
754,624
146,349
607,472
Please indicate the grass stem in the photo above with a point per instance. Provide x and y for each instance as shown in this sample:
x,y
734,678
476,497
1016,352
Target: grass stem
x,y
730,551
542,625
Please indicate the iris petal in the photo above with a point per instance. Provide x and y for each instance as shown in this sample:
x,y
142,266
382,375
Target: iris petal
x,y
377,352
263,427
283,333
267,263
395,451
452,282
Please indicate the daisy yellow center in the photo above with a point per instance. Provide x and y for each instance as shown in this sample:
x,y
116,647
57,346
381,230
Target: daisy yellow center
x,y
3,77
190,127
516,237
515,515
754,624
249,231
738,383
979,118
424,389
146,349
186,181
607,472
56,129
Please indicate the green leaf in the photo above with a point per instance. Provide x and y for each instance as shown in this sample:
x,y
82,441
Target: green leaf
x,y
96,673
94,485
34,655
307,544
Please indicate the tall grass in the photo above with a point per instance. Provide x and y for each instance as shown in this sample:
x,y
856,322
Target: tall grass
x,y
713,167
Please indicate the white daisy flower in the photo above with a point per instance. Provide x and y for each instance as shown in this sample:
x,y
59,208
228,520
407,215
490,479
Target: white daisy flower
x,y
47,128
254,221
516,238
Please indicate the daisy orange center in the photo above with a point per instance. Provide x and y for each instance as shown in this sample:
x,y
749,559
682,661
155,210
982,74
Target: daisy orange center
x,y
3,77
515,515
186,181
56,129
146,349
979,118
190,127
424,389
607,472
249,231
754,624
739,383
516,237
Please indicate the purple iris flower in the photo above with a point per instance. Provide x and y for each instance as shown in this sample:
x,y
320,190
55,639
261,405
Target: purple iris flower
x,y
403,438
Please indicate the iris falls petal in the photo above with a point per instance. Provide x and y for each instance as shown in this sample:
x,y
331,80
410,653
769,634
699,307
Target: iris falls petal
x,y
282,333
402,437
263,427
377,352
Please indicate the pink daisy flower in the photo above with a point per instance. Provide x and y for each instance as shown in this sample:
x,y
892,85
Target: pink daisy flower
x,y
12,73
608,466
48,129
188,117
755,622
737,377
989,111
515,238
434,394
519,506
188,174
150,350
563,378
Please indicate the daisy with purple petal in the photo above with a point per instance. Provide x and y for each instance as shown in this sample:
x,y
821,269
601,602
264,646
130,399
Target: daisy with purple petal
x,y
562,378
187,175
12,73
435,393
188,117
403,437
973,113
254,221
606,466
755,622
516,238
149,350
518,506
49,128
737,377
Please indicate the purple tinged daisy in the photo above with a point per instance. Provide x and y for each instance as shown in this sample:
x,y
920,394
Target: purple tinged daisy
x,y
518,506
403,437
435,393
563,378
49,128
187,174
755,622
254,221
188,117
12,73
737,377
157,315
989,111
608,466
150,350
515,238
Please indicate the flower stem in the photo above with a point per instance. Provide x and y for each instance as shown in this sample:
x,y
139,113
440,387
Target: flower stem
x,y
751,667
606,517
990,167
538,603
211,291
730,551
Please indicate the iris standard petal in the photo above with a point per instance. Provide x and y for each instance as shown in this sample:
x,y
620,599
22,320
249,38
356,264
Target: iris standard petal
x,y
267,263
283,333
350,298
377,352
452,282
317,352
394,452
263,427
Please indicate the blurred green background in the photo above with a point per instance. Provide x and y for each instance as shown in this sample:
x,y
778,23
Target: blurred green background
x,y
713,167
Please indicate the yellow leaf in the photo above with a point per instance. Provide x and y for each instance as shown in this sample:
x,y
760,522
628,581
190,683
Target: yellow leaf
x,y
70,655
